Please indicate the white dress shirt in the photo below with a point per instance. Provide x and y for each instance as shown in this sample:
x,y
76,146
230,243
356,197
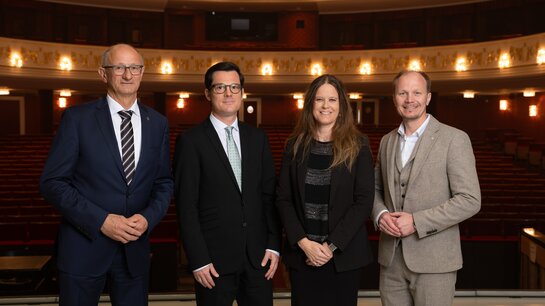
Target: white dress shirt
x,y
219,126
136,126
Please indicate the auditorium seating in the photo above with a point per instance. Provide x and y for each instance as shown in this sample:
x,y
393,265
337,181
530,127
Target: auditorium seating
x,y
512,196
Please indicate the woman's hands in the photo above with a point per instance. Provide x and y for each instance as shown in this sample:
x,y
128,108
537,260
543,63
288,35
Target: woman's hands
x,y
317,254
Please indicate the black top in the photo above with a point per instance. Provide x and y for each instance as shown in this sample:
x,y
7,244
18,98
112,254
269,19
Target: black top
x,y
317,186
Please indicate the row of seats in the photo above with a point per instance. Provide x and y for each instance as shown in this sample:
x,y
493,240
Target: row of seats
x,y
506,187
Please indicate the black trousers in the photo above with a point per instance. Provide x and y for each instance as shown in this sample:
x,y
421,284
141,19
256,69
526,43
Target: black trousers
x,y
247,286
317,286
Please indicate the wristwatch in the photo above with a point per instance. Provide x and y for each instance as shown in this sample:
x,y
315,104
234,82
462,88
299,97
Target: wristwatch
x,y
332,247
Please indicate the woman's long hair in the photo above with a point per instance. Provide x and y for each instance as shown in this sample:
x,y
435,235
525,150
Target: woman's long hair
x,y
345,136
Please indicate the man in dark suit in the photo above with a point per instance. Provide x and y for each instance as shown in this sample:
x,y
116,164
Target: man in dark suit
x,y
108,174
224,183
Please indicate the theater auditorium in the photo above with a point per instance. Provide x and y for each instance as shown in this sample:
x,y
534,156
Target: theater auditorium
x,y
486,60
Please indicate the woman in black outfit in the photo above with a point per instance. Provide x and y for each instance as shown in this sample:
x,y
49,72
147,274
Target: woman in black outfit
x,y
325,195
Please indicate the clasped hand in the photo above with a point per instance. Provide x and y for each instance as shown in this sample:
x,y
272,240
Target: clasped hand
x,y
122,229
396,224
317,254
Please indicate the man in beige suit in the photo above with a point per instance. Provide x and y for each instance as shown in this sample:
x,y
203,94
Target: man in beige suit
x,y
425,184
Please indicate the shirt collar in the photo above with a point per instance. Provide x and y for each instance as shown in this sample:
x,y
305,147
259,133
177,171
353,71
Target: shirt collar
x,y
219,125
419,131
116,107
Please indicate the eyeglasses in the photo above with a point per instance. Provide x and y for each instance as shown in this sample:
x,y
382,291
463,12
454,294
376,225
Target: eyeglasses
x,y
221,88
120,69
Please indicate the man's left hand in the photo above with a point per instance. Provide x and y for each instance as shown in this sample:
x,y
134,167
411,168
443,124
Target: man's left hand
x,y
139,223
274,263
404,222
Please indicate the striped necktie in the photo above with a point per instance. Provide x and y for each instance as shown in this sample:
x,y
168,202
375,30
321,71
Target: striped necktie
x,y
233,155
127,145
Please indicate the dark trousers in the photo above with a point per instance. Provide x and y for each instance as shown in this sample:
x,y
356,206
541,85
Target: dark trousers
x,y
247,286
125,290
318,286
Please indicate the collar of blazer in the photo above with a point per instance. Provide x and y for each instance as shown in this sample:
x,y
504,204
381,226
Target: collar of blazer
x,y
429,137
222,155
105,124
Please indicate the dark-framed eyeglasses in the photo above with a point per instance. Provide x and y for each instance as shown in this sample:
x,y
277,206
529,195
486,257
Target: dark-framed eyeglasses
x,y
120,69
221,88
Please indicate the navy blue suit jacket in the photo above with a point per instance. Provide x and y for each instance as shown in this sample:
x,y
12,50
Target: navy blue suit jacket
x,y
84,180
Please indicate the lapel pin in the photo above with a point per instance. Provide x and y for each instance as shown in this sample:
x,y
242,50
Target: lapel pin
x,y
147,118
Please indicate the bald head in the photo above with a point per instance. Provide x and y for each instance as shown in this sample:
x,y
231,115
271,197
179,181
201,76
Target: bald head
x,y
121,48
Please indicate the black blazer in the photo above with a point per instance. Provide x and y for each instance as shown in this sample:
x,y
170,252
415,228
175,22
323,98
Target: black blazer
x,y
218,223
350,203
83,179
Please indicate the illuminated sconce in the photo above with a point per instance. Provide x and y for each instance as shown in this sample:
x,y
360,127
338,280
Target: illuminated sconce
x,y
529,93
415,65
354,96
250,109
65,93
4,91
529,230
469,94
181,103
504,61
266,69
15,60
65,63
504,105
540,56
365,69
300,103
298,96
166,68
62,102
316,70
461,64
532,111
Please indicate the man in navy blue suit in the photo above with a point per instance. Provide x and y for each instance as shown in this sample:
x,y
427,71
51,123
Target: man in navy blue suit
x,y
108,174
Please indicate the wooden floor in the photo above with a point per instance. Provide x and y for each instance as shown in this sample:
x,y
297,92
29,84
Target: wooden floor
x,y
463,298
462,301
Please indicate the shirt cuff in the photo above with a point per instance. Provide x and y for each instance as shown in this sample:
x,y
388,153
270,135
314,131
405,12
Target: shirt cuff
x,y
198,269
273,251
378,217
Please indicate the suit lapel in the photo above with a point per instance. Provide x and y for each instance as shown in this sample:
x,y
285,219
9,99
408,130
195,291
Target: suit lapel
x,y
392,148
301,174
245,151
104,120
423,149
145,138
216,144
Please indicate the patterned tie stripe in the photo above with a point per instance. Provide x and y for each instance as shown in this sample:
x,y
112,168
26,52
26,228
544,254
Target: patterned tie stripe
x,y
127,145
233,155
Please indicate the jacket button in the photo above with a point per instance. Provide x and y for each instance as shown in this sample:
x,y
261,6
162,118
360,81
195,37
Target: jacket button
x,y
402,184
403,196
244,224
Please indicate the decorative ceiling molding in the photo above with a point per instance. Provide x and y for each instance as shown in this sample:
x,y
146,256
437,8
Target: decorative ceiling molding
x,y
290,69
